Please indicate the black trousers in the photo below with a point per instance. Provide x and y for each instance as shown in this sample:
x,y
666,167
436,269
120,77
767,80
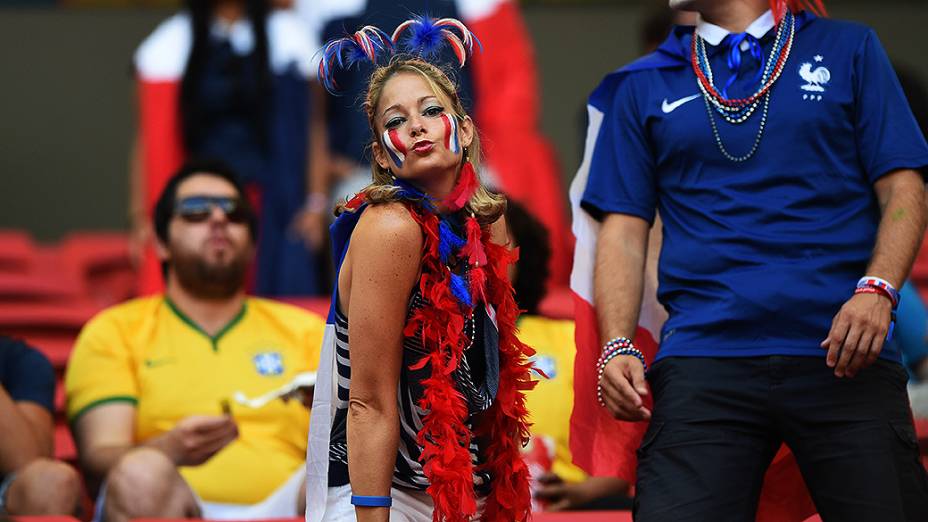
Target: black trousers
x,y
717,423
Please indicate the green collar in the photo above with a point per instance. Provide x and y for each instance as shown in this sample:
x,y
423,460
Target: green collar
x,y
214,339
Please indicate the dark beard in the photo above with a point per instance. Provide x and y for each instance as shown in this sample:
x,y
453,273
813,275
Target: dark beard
x,y
212,282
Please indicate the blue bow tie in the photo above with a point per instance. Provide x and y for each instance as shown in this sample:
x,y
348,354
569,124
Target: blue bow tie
x,y
734,42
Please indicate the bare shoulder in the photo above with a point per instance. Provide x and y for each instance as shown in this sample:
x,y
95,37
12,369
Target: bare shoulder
x,y
388,227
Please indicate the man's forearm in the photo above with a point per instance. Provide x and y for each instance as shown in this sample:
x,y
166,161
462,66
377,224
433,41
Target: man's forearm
x,y
619,275
902,226
18,444
100,460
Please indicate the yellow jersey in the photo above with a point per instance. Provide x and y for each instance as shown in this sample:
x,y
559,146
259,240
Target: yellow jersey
x,y
551,402
147,353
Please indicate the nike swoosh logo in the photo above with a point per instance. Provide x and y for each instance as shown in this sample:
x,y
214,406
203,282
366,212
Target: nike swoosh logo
x,y
154,363
670,107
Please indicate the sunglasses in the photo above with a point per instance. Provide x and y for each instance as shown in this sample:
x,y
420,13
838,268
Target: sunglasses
x,y
197,209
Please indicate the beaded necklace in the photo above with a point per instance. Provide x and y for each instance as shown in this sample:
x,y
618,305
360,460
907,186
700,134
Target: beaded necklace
x,y
739,110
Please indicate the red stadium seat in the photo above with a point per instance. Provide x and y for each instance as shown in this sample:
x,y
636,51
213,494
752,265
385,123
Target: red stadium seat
x,y
69,316
32,285
64,444
17,251
60,398
50,327
100,262
50,518
585,516
576,516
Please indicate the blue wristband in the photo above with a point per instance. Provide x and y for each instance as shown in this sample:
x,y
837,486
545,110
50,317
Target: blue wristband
x,y
363,501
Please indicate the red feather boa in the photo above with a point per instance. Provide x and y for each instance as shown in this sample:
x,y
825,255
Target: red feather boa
x,y
445,437
465,187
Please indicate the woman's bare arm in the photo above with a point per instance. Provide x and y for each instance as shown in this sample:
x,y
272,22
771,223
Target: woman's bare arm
x,y
384,257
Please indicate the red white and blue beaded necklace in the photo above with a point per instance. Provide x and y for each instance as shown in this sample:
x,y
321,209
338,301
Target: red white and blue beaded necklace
x,y
738,110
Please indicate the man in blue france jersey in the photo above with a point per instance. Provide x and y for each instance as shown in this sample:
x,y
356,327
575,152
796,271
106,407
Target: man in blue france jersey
x,y
781,155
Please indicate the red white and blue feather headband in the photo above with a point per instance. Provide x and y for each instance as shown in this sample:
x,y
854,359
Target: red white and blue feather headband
x,y
367,44
421,36
425,36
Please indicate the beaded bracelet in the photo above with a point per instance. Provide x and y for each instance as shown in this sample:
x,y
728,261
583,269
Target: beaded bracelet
x,y
612,349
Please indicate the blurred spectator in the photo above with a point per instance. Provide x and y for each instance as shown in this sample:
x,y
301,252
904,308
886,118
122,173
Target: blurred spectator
x,y
560,484
230,79
31,483
150,381
499,87
912,323
911,333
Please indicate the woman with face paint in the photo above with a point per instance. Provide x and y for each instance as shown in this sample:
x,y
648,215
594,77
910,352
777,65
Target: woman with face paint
x,y
422,413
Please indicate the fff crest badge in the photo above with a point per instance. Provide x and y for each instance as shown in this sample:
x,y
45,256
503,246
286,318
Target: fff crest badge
x,y
816,77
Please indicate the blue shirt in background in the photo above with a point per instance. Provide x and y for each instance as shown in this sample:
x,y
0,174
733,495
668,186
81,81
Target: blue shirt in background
x,y
26,374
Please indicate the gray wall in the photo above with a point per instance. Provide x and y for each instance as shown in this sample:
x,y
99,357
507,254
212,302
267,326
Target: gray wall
x,y
66,96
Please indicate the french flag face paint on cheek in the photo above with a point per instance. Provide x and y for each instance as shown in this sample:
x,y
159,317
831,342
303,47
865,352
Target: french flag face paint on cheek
x,y
451,133
394,146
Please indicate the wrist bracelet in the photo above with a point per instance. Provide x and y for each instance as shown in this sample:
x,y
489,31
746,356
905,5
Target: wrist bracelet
x,y
612,349
876,282
875,290
885,293
368,501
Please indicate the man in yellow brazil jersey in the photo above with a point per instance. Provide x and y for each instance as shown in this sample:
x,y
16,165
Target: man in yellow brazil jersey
x,y
151,382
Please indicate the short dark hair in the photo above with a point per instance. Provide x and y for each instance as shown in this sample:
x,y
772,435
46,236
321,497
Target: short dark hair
x,y
532,269
164,207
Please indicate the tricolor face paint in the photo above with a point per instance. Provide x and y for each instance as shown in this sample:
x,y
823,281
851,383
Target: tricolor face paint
x,y
452,142
394,146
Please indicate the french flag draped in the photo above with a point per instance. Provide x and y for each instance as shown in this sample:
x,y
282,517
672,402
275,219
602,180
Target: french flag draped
x,y
600,444
159,65
323,410
518,155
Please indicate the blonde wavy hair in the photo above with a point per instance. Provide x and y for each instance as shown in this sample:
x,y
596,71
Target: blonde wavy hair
x,y
487,206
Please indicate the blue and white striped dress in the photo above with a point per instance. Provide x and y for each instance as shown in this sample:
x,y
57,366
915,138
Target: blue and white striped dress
x,y
408,471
